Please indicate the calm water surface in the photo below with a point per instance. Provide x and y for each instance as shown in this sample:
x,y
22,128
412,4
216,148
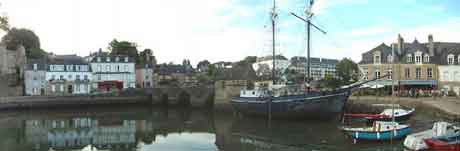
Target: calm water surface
x,y
154,129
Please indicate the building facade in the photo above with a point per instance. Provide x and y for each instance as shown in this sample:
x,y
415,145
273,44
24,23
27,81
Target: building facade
x,y
113,72
449,67
144,76
68,75
415,65
35,78
319,67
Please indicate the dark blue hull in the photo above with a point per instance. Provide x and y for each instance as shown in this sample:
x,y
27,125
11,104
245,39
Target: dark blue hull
x,y
314,105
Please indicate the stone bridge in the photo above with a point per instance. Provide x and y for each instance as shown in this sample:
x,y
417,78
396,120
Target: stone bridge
x,y
194,96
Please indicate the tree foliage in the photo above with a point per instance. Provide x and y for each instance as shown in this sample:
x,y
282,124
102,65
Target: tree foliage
x,y
123,48
347,71
26,38
4,23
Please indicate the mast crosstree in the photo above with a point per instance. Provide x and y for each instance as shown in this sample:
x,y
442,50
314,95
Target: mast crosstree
x,y
308,16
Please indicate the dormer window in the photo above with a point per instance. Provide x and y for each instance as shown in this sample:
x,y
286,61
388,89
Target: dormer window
x,y
107,59
418,59
450,59
377,58
426,58
117,59
126,59
390,59
98,59
409,58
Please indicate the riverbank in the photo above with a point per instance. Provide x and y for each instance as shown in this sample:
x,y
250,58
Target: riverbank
x,y
57,101
446,107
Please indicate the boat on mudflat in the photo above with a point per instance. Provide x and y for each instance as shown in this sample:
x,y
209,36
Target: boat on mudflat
x,y
415,141
444,143
380,131
400,114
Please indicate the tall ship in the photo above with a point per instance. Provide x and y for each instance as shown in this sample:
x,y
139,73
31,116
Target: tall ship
x,y
283,101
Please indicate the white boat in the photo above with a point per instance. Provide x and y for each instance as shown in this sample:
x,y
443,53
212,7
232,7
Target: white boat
x,y
415,141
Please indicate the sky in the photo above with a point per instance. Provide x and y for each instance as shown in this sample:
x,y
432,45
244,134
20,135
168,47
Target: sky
x,y
229,30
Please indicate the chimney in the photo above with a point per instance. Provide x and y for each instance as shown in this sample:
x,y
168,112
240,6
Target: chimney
x,y
400,44
430,45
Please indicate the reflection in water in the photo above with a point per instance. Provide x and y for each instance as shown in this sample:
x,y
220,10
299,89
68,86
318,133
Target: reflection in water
x,y
144,129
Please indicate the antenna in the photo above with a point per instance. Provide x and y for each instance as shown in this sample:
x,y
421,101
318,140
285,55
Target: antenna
x,y
308,16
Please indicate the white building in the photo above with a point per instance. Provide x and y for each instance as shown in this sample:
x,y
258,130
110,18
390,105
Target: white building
x,y
35,78
449,73
67,75
113,72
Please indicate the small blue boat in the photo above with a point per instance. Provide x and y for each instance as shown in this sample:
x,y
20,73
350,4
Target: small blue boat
x,y
380,130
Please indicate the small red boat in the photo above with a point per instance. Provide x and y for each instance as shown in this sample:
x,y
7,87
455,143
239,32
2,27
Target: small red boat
x,y
444,143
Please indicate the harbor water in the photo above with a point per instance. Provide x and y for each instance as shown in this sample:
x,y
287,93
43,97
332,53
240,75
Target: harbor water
x,y
140,128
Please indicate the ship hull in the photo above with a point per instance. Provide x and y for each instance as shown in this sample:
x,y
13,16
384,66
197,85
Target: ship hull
x,y
317,106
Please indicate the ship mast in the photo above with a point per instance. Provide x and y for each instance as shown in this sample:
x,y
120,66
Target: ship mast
x,y
273,19
308,15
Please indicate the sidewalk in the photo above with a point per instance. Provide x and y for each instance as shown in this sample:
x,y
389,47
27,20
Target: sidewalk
x,y
450,105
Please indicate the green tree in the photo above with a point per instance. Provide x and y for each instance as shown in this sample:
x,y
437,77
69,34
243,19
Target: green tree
x,y
347,71
123,48
212,72
4,23
248,60
26,38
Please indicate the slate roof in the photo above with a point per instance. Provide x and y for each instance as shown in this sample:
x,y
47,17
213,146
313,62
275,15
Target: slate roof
x,y
67,60
41,64
237,72
441,51
166,69
112,58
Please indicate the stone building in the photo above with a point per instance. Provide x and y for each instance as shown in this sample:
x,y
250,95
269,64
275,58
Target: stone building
x,y
425,66
449,66
12,64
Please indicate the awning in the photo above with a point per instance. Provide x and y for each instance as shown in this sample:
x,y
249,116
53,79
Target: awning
x,y
403,82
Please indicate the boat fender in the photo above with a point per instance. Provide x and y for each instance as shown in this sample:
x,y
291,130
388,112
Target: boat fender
x,y
378,135
395,131
357,135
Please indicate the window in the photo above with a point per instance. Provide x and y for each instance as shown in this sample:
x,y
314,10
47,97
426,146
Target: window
x,y
429,73
377,59
418,73
117,59
427,58
53,88
446,76
390,74
450,59
35,66
107,68
409,58
61,88
118,68
99,68
85,77
377,74
390,59
126,59
99,77
98,59
107,59
77,88
407,72
77,77
126,68
418,59
61,77
69,77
